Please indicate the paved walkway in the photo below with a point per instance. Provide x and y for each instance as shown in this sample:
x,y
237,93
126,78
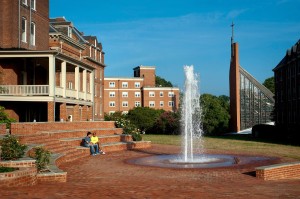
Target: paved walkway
x,y
108,176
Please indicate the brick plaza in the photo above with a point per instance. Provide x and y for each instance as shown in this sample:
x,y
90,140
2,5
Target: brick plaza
x,y
109,176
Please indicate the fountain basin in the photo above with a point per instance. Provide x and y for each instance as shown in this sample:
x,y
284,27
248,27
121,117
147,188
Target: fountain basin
x,y
199,161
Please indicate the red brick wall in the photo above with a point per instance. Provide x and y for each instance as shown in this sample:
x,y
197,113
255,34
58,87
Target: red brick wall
x,y
9,24
25,176
50,111
34,127
2,129
279,171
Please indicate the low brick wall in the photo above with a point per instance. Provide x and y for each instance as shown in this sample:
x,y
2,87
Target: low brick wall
x,y
29,128
2,129
52,177
279,171
24,176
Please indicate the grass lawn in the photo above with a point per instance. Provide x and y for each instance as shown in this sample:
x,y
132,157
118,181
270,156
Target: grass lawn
x,y
234,143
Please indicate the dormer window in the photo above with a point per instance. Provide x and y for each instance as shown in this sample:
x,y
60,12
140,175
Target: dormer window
x,y
69,32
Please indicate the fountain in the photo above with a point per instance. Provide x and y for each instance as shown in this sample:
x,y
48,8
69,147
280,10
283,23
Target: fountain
x,y
193,153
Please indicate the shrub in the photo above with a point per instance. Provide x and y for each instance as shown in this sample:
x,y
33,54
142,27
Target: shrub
x,y
6,169
4,118
42,157
11,149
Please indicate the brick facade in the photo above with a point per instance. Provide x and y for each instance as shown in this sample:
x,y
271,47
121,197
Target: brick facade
x,y
123,94
62,67
11,33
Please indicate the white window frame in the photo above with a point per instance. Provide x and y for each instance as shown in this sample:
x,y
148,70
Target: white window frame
x,y
112,94
137,84
137,104
137,94
24,30
112,84
124,112
171,94
161,94
33,4
24,2
151,94
151,103
111,112
112,104
161,103
125,104
171,103
124,94
32,33
124,84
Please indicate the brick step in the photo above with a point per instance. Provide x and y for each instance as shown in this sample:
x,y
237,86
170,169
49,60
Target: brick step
x,y
33,138
77,154
120,146
76,141
81,132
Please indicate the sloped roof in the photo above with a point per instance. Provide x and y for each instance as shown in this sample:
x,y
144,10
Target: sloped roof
x,y
294,51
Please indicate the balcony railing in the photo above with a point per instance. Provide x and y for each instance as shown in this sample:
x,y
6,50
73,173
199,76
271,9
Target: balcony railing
x,y
24,90
41,90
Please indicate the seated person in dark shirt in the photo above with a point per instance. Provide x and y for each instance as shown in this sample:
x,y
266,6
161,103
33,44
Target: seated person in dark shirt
x,y
87,143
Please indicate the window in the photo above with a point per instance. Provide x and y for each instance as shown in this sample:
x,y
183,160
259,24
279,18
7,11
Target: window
x,y
161,94
161,103
124,112
171,103
124,94
124,84
137,104
32,4
70,35
24,2
112,84
151,104
24,22
137,84
112,104
124,104
111,112
171,94
137,94
151,94
70,85
112,94
32,34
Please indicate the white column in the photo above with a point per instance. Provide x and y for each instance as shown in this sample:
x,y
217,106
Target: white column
x,y
100,56
77,81
51,75
92,88
84,83
63,77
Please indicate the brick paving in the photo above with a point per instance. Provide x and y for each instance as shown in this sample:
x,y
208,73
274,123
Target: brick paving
x,y
109,176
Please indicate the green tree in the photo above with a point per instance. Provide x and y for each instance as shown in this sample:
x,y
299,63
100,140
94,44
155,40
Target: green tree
x,y
270,84
143,117
215,114
159,81
4,118
167,123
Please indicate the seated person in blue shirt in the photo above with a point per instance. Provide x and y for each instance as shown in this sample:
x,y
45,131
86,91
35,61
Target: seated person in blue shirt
x,y
87,143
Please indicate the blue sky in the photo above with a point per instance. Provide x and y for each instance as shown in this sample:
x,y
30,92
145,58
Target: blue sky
x,y
169,34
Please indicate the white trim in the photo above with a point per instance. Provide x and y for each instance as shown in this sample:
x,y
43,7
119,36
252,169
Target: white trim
x,y
121,89
161,88
123,78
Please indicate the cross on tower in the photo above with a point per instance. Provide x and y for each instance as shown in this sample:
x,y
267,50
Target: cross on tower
x,y
232,27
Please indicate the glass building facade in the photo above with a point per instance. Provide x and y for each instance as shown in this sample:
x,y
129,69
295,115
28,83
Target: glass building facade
x,y
256,101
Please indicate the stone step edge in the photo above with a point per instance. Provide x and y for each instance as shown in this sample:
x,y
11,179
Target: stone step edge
x,y
101,136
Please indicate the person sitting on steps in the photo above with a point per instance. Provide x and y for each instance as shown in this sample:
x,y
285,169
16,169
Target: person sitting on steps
x,y
94,149
95,140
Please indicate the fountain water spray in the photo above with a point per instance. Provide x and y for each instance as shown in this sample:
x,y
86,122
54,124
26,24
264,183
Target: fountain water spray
x,y
191,117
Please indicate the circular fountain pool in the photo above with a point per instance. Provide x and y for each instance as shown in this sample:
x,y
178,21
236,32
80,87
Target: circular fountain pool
x,y
199,161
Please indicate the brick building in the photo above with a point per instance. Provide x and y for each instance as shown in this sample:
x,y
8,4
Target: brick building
x,y
287,92
123,94
49,71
